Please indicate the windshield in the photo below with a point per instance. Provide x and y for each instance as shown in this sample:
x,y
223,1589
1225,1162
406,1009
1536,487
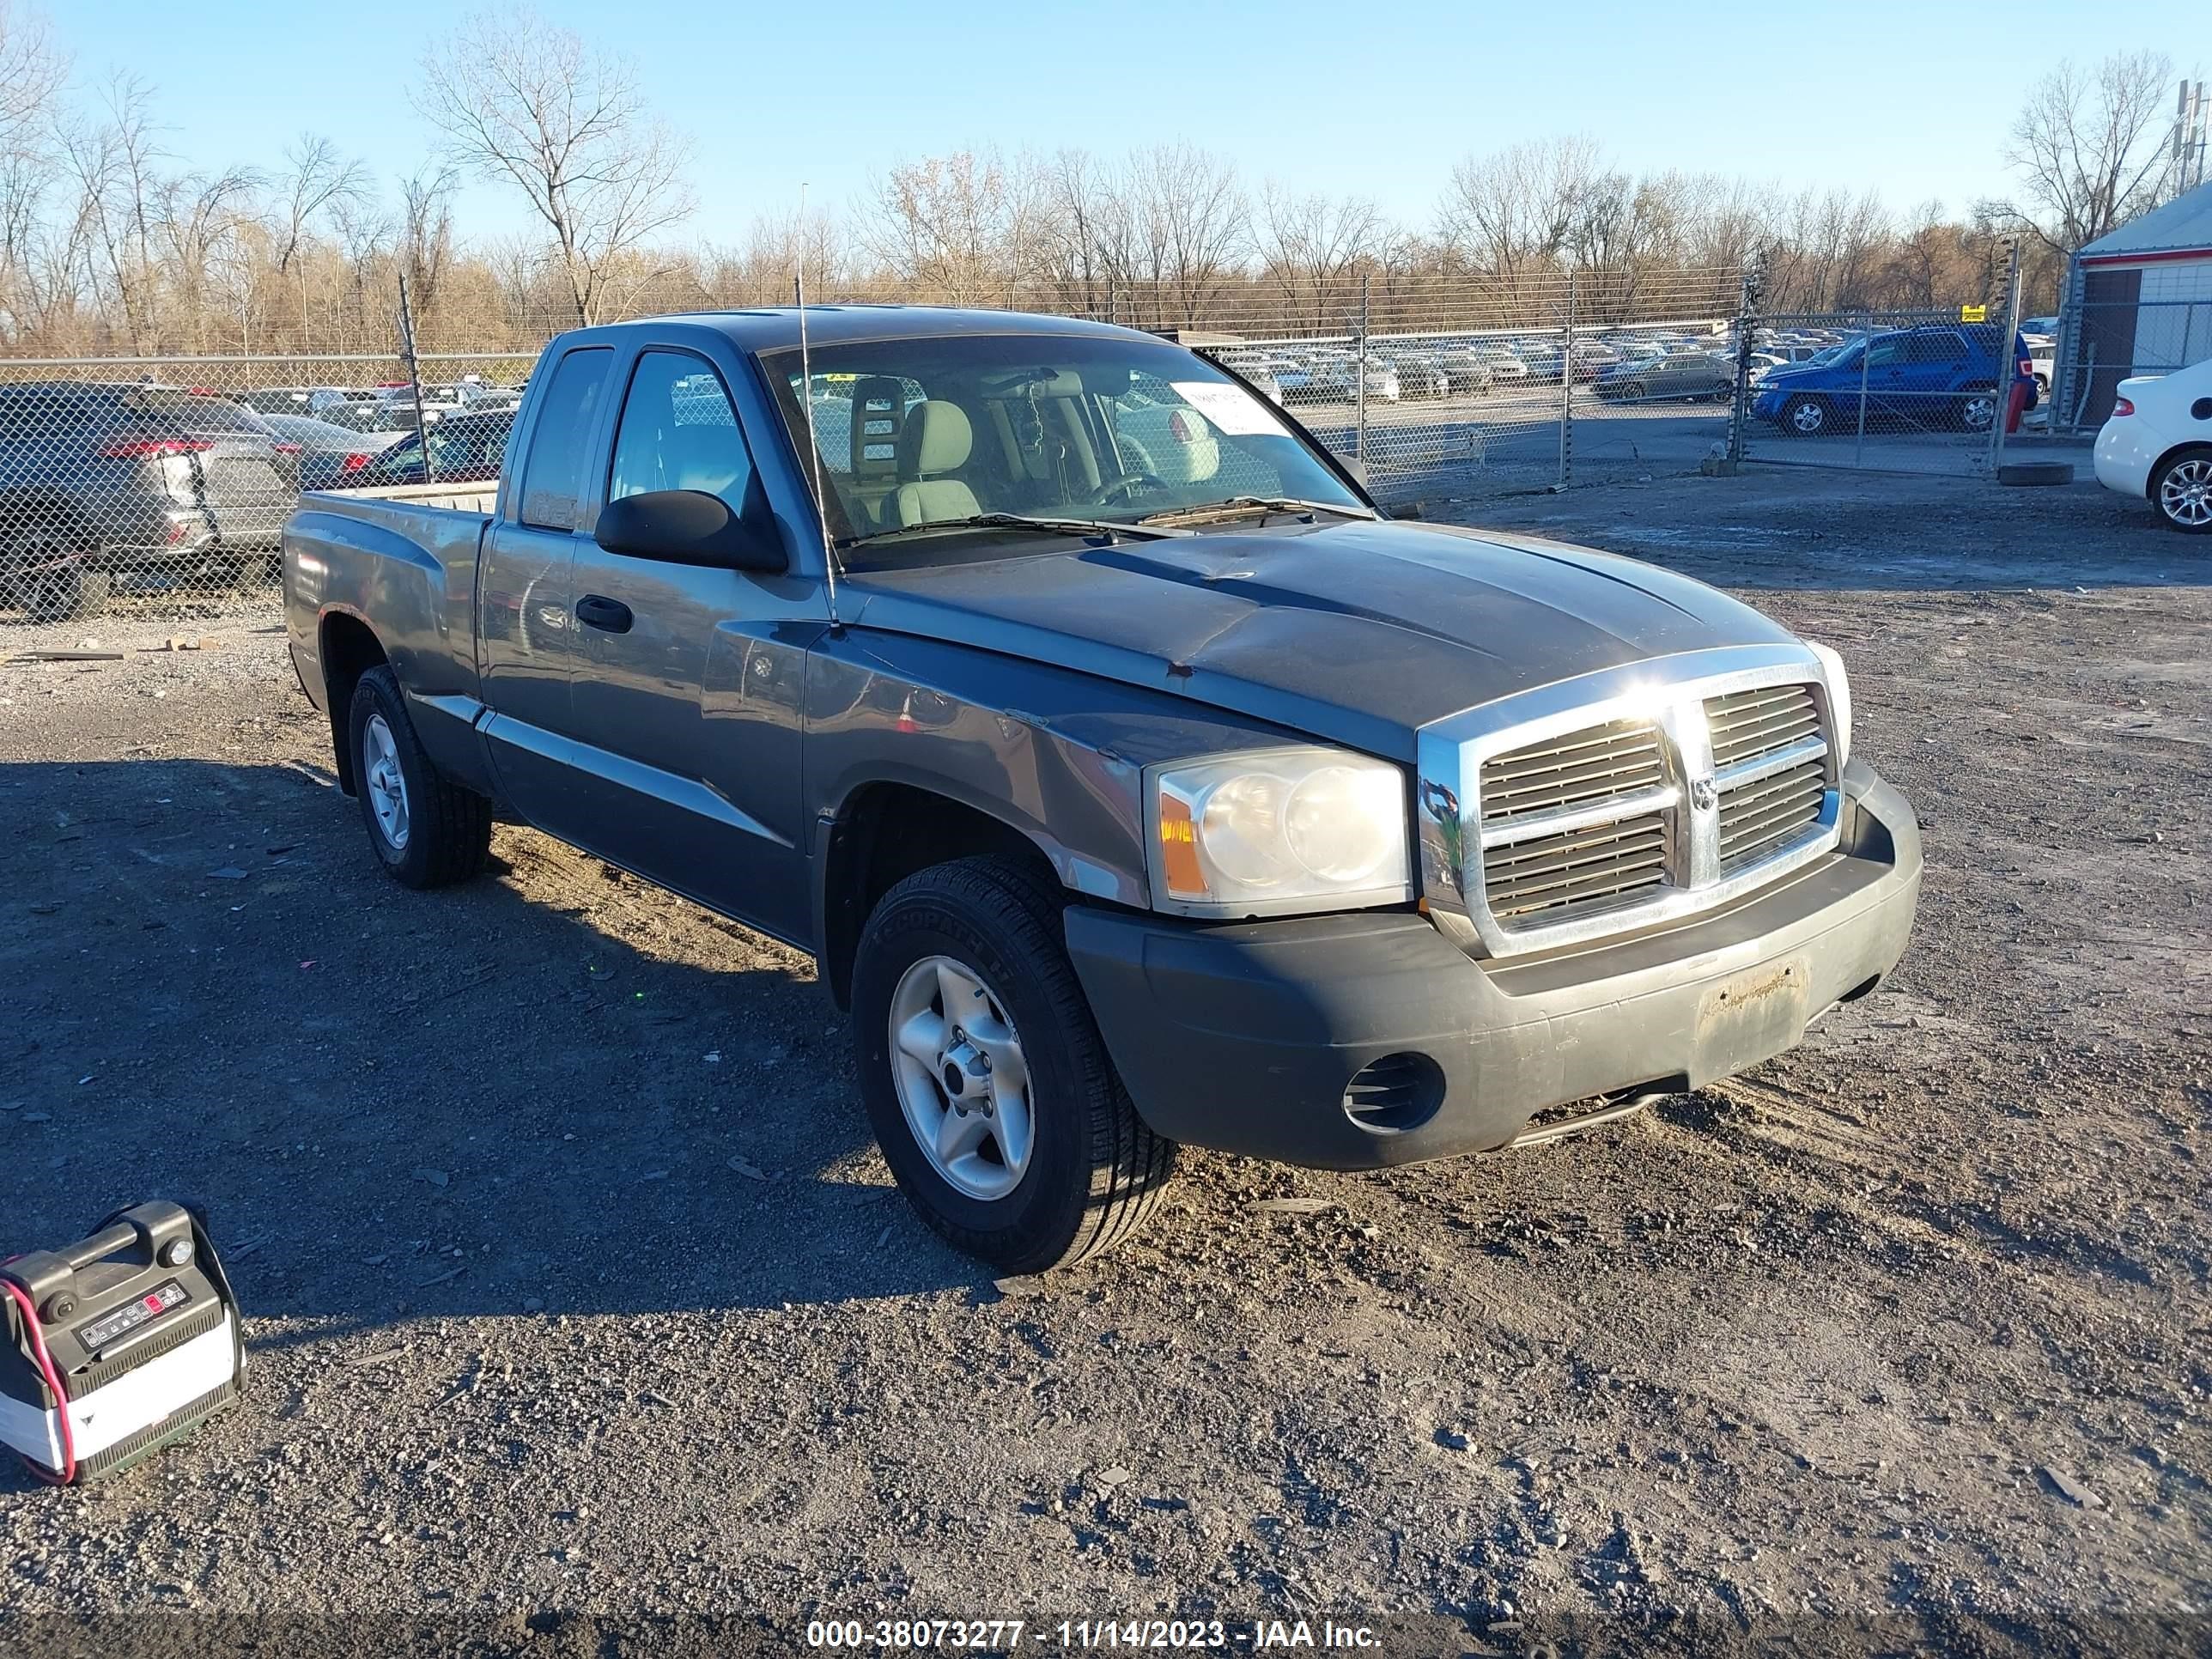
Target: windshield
x,y
929,431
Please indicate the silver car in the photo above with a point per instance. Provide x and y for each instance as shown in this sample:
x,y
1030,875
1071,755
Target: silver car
x,y
1676,374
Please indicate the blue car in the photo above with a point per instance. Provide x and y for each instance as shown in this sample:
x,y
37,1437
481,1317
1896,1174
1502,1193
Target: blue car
x,y
1938,374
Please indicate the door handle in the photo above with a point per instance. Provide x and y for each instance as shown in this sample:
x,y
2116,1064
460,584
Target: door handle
x,y
596,611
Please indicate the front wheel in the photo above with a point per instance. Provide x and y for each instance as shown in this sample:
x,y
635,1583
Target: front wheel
x,y
985,1081
2181,490
428,831
1805,417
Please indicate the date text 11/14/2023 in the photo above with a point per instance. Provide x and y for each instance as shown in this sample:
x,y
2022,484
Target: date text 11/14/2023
x,y
1147,1635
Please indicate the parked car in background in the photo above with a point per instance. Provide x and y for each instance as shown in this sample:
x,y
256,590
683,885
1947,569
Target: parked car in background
x,y
2156,446
1334,379
1258,372
1593,356
1504,364
1420,374
1119,811
1938,374
1542,359
1467,373
328,453
1672,375
464,449
102,480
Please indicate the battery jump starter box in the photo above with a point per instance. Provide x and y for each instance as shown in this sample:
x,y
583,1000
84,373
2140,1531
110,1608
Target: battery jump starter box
x,y
116,1345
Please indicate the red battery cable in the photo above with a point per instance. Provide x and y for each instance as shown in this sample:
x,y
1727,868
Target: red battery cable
x,y
54,1384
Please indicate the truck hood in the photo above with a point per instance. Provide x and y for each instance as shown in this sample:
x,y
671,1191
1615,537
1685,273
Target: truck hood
x,y
1358,633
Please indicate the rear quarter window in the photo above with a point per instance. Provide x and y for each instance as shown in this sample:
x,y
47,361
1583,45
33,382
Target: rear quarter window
x,y
553,481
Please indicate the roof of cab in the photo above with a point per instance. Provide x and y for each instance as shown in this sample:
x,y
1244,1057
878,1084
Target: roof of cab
x,y
776,328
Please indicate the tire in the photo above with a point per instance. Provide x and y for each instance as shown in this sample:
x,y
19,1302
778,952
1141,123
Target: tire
x,y
44,565
442,833
65,595
1807,417
1630,392
1975,399
2181,491
1092,1172
1724,392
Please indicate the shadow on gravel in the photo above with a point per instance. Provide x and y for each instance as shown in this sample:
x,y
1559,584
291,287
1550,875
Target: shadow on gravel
x,y
401,1104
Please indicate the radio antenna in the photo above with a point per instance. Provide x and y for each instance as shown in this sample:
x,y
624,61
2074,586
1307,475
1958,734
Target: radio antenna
x,y
806,402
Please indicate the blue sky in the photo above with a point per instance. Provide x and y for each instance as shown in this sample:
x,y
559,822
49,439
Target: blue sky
x,y
1910,100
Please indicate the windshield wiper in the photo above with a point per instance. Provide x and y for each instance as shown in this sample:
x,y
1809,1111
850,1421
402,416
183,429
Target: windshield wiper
x,y
1017,521
1254,503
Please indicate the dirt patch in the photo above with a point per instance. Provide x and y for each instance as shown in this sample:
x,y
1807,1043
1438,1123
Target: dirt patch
x,y
580,1298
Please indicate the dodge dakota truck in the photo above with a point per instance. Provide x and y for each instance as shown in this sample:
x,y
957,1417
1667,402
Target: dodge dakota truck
x,y
1133,780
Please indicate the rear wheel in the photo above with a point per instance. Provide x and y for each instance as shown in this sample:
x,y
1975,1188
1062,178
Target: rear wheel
x,y
428,831
1977,407
1806,417
47,569
985,1081
1631,391
2181,490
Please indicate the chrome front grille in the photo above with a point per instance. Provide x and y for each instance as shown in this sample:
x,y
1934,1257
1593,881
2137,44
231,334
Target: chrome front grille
x,y
1747,724
1575,822
1575,869
1770,769
1630,796
1757,817
1623,758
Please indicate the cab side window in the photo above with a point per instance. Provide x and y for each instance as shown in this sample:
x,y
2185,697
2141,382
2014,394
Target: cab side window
x,y
553,477
679,432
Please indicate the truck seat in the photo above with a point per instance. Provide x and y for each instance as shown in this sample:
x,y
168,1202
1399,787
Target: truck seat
x,y
935,441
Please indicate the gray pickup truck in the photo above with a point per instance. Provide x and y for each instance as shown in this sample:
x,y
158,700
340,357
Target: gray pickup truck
x,y
1130,778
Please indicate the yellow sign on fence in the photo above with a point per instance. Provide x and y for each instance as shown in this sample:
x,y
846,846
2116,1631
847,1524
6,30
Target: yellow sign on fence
x,y
1973,313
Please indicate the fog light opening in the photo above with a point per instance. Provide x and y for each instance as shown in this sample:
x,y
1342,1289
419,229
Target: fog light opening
x,y
1398,1093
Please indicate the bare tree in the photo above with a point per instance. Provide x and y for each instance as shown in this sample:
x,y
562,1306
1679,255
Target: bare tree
x,y
1512,215
426,232
2089,147
946,225
32,71
1190,215
521,100
1310,248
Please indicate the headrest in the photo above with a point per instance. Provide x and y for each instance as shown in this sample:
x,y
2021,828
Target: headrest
x,y
936,438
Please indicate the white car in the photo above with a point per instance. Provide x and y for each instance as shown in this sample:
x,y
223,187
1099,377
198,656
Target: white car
x,y
2157,445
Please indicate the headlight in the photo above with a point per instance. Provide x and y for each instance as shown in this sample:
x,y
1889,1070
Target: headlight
x,y
1839,698
1277,830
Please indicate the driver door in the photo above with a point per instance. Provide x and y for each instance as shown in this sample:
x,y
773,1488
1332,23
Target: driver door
x,y
687,681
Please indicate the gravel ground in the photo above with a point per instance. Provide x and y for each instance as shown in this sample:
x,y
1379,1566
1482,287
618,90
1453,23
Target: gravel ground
x,y
584,1318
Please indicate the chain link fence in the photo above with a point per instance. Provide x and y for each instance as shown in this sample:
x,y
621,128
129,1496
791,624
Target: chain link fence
x,y
159,485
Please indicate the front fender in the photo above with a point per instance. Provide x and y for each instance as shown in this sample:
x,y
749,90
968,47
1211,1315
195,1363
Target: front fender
x,y
1056,756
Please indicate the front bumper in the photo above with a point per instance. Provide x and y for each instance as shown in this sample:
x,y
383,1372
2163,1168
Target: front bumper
x,y
1244,1037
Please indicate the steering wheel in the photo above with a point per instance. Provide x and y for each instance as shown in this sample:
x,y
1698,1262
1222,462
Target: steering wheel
x,y
1119,489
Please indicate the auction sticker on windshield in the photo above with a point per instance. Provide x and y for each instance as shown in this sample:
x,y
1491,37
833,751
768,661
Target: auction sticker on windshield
x,y
1230,408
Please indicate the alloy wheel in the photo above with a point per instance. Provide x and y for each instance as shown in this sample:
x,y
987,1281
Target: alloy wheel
x,y
386,783
962,1082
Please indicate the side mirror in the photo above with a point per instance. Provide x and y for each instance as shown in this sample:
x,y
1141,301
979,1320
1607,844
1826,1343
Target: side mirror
x,y
688,526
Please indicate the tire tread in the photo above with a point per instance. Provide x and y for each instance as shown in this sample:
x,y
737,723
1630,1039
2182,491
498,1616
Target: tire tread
x,y
1129,1164
455,832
